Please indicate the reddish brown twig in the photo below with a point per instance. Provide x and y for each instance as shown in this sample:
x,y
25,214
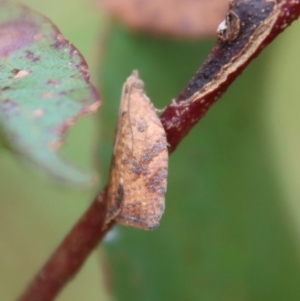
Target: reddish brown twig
x,y
260,22
70,255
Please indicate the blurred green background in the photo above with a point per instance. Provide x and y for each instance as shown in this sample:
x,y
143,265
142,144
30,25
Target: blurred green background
x,y
231,228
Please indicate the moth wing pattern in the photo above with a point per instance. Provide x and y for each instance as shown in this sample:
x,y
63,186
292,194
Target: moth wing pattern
x,y
138,179
115,191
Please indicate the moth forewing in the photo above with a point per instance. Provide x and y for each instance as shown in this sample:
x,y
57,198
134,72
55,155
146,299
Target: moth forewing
x,y
139,170
115,191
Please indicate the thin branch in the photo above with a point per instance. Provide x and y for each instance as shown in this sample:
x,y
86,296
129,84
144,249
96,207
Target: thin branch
x,y
250,26
70,255
260,21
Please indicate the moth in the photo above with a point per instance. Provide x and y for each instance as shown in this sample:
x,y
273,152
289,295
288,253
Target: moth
x,y
138,177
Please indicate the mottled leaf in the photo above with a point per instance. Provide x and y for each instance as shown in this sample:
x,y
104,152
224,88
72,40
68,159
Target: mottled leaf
x,y
181,18
44,89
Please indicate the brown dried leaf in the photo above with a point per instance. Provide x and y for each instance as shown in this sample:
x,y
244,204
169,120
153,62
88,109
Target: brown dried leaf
x,y
138,179
186,18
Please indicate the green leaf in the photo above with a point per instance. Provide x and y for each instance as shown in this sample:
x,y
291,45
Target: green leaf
x,y
44,89
224,235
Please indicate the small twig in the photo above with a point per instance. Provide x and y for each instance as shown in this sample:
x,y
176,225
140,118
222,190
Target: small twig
x,y
70,255
260,22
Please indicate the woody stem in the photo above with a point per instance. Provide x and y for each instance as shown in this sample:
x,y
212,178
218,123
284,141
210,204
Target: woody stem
x,y
226,61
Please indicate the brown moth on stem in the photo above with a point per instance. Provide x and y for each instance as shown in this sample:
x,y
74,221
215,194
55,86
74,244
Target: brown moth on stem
x,y
138,179
260,22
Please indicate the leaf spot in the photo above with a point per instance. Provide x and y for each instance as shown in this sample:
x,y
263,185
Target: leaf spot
x,y
47,95
21,73
30,55
15,35
38,113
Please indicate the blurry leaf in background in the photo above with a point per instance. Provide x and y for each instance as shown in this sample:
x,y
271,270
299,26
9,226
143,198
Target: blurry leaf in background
x,y
282,111
179,18
45,88
224,234
36,213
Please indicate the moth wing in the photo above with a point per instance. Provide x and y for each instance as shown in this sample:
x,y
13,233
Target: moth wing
x,y
115,191
145,163
138,177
